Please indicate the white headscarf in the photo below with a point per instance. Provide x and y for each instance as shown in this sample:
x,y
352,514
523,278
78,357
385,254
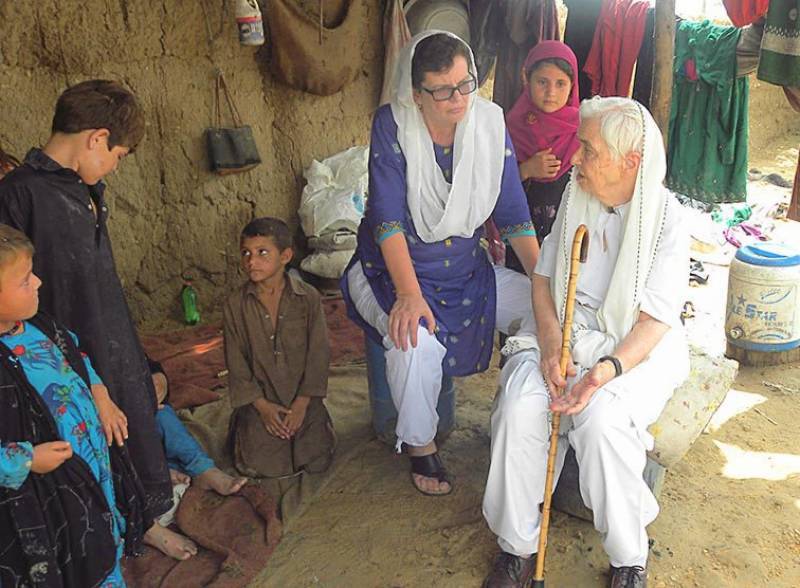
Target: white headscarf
x,y
641,233
644,224
441,210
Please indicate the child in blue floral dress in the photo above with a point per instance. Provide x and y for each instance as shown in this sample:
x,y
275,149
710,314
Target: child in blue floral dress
x,y
63,507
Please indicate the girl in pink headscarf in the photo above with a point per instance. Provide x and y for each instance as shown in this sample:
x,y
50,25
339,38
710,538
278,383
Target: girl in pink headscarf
x,y
543,124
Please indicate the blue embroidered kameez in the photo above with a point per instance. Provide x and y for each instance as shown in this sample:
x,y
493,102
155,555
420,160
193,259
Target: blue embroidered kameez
x,y
455,275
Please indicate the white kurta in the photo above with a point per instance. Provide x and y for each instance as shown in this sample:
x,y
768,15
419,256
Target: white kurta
x,y
415,375
610,435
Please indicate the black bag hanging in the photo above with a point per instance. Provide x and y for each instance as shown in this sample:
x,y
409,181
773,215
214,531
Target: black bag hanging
x,y
230,149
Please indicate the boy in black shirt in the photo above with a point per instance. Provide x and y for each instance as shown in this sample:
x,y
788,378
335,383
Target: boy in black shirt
x,y
56,197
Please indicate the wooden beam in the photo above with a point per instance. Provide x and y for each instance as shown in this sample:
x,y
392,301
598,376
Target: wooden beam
x,y
661,94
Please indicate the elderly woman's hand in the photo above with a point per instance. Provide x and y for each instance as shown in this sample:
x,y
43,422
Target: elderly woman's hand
x,y
404,319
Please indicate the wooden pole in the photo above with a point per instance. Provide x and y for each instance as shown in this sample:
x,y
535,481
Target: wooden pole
x,y
661,94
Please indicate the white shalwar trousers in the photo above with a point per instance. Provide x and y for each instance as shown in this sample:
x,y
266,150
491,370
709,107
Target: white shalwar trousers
x,y
610,439
415,376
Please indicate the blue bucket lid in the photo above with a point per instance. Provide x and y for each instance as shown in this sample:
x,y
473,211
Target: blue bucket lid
x,y
770,254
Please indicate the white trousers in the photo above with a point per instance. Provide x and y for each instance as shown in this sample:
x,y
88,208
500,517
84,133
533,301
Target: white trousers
x,y
610,441
415,376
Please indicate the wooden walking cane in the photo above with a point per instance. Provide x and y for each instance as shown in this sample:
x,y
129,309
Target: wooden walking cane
x,y
580,246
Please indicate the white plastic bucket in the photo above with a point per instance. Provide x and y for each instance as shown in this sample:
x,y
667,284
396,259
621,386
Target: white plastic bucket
x,y
763,298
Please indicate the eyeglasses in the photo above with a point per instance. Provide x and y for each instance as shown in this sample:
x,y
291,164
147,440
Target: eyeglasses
x,y
446,93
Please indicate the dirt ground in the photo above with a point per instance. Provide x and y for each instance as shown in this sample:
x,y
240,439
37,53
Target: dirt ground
x,y
730,510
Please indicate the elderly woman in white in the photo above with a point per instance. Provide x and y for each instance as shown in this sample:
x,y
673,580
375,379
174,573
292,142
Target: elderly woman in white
x,y
628,350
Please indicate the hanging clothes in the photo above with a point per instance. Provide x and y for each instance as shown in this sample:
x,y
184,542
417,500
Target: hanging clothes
x,y
395,36
579,32
483,36
643,81
745,12
708,123
780,47
524,24
615,48
748,50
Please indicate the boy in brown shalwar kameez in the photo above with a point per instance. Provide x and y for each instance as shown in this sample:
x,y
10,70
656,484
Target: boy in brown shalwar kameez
x,y
276,349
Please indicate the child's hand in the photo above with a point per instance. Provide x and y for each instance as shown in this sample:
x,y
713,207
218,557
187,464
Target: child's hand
x,y
114,421
48,456
298,412
272,415
543,165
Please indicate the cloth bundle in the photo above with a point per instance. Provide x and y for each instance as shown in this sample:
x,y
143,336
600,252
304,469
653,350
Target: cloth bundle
x,y
331,208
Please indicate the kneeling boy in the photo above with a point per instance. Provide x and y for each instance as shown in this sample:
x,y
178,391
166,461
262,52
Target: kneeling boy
x,y
276,349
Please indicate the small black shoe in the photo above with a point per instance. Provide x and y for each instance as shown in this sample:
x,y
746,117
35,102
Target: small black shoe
x,y
628,577
510,571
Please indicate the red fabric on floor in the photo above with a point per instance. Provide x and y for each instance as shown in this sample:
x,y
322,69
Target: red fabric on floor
x,y
193,358
617,40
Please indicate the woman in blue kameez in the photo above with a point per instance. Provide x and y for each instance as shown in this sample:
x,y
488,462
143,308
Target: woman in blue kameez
x,y
421,283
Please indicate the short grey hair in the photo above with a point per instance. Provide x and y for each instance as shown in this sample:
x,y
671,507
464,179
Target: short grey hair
x,y
621,124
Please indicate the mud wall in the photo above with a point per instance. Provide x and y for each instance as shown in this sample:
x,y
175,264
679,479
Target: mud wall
x,y
771,117
169,215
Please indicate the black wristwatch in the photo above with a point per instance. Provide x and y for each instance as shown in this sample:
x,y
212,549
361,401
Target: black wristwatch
x,y
615,362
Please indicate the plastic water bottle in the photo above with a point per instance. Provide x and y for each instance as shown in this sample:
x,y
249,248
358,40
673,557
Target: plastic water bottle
x,y
249,22
189,299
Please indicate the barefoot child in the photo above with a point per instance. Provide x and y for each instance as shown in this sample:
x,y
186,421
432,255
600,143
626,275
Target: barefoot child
x,y
188,464
61,509
57,197
276,350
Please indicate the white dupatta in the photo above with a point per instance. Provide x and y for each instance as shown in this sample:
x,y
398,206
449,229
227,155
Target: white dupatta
x,y
440,209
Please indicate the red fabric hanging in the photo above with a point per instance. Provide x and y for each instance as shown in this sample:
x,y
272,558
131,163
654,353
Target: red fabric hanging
x,y
745,12
617,40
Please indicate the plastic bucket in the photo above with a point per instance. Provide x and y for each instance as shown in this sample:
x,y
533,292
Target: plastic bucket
x,y
762,313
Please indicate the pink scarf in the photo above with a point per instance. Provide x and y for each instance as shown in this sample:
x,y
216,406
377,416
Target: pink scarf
x,y
531,129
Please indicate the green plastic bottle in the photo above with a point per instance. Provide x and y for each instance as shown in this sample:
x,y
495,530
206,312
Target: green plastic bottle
x,y
189,298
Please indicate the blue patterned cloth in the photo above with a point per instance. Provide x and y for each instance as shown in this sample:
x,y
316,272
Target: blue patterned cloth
x,y
455,275
73,409
15,463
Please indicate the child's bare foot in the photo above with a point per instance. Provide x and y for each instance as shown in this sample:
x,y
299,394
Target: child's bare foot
x,y
220,482
170,543
177,477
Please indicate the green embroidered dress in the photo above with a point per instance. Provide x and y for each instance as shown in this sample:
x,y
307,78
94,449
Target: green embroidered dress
x,y
707,155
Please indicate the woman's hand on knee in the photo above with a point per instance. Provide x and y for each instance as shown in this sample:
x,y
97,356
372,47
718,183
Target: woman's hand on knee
x,y
404,318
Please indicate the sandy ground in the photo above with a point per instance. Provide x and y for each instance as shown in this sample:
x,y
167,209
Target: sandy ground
x,y
730,510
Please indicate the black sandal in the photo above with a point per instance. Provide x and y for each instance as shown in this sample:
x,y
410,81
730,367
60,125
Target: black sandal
x,y
430,466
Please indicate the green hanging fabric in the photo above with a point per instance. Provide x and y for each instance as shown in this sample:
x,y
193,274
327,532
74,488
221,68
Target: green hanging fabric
x,y
707,155
780,48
